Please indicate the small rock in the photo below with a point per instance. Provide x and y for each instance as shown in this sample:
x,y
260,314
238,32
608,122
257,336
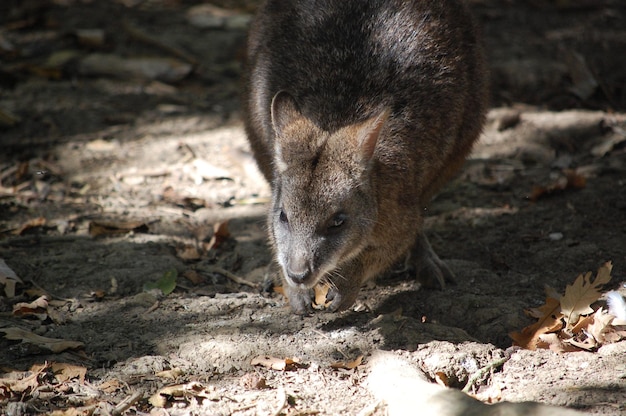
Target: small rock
x,y
555,236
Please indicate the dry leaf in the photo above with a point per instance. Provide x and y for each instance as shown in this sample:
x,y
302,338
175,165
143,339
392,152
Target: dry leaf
x,y
220,234
8,279
52,344
97,295
187,252
570,180
442,379
582,323
280,290
64,372
192,203
21,382
107,228
111,386
321,291
582,293
37,308
35,222
253,381
600,325
181,392
174,373
348,365
549,316
551,307
585,328
614,334
193,276
281,364
587,344
553,343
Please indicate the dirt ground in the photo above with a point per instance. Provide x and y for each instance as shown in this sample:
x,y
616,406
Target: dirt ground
x,y
121,148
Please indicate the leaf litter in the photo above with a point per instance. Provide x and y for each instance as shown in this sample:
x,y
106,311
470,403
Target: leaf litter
x,y
569,322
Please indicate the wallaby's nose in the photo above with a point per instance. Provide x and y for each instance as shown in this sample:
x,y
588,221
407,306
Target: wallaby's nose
x,y
300,276
298,271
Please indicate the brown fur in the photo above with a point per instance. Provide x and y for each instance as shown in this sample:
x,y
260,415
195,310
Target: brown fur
x,y
357,113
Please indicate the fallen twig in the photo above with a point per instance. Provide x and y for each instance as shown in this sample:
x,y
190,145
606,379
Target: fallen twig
x,y
481,372
127,403
231,276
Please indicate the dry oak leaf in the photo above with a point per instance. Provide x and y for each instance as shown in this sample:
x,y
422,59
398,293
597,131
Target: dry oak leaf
x,y
321,291
442,379
37,308
34,223
594,330
111,386
588,344
348,365
253,381
220,235
549,315
582,293
64,372
187,252
181,392
554,343
52,344
14,385
570,180
602,321
281,291
281,364
111,228
174,373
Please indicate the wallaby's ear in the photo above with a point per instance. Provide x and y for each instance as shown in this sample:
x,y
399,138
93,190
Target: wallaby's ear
x,y
284,111
369,132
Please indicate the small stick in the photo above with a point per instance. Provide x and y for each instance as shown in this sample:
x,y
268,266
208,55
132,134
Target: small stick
x,y
153,308
481,372
231,276
127,403
47,292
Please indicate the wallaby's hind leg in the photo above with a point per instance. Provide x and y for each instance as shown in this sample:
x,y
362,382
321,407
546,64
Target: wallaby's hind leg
x,y
431,271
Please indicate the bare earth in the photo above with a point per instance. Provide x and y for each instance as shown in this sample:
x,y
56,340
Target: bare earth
x,y
83,142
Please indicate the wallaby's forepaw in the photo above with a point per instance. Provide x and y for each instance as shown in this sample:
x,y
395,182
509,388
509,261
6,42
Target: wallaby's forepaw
x,y
340,301
300,300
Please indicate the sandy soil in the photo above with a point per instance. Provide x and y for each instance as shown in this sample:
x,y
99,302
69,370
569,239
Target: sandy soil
x,y
86,138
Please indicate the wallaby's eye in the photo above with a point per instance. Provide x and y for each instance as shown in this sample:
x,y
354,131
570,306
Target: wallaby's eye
x,y
338,220
283,217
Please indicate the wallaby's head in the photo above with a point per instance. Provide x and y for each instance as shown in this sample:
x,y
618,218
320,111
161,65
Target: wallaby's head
x,y
324,204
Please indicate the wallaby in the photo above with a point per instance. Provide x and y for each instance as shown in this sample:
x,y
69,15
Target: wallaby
x,y
357,112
